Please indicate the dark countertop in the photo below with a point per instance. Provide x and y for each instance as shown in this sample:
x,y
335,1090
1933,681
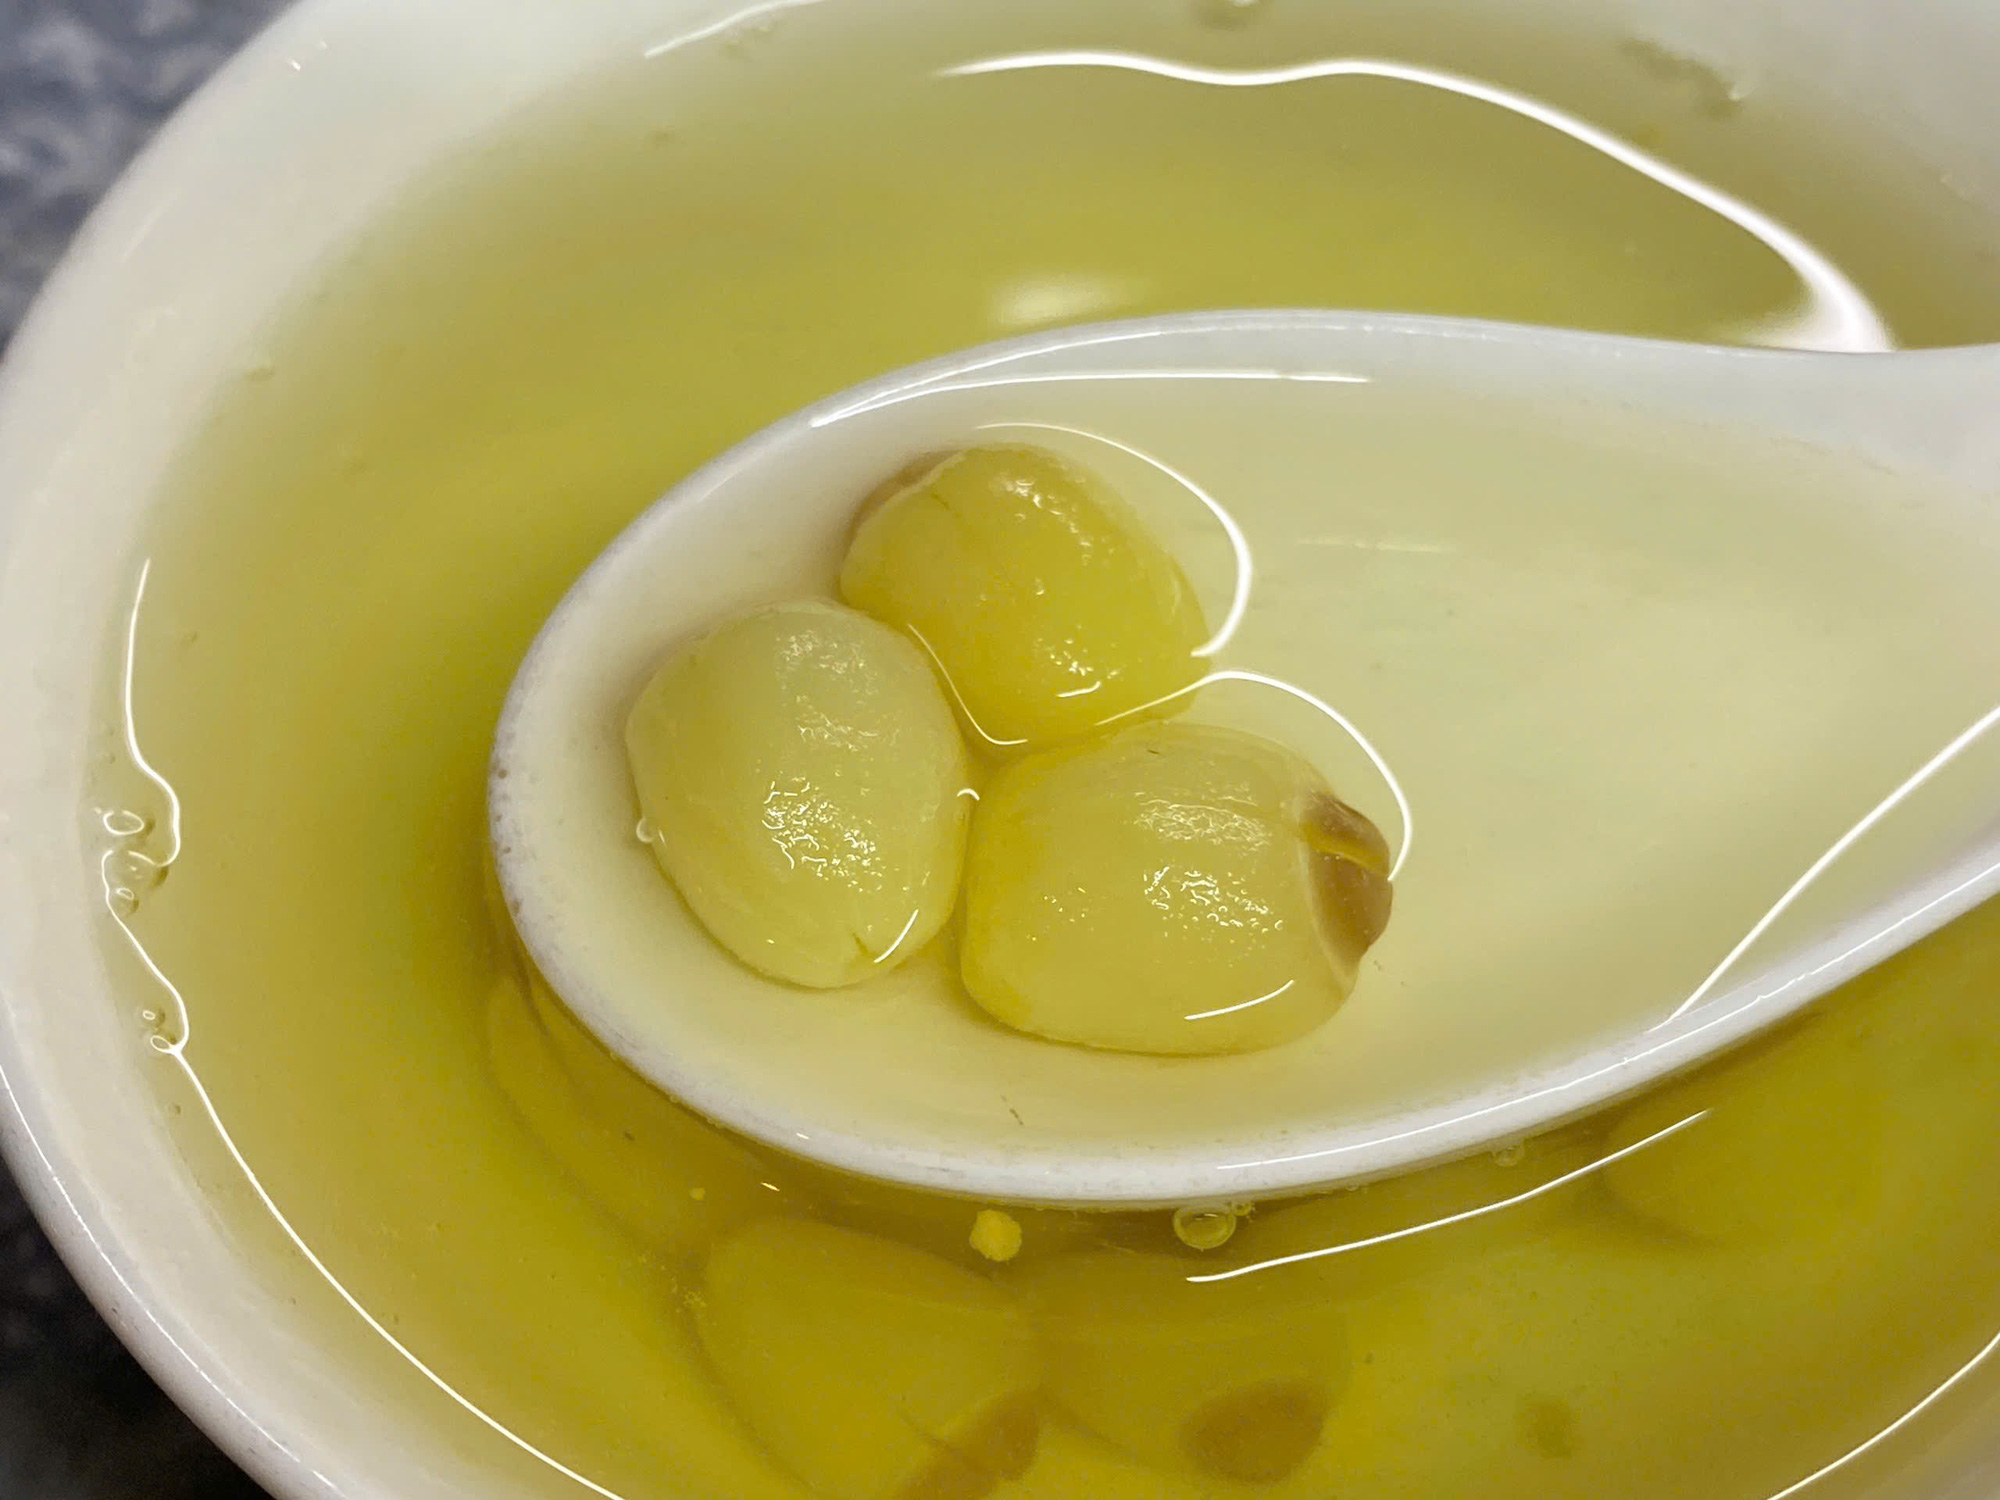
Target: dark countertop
x,y
82,85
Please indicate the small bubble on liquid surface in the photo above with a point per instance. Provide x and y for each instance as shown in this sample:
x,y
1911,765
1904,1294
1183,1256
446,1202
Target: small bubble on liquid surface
x,y
742,38
1511,1156
123,823
1713,93
645,832
128,877
1230,12
1204,1228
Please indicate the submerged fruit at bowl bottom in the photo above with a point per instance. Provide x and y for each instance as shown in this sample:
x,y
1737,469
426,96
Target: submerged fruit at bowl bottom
x,y
1746,1165
667,1177
871,1370
1358,1239
1889,1069
1224,1379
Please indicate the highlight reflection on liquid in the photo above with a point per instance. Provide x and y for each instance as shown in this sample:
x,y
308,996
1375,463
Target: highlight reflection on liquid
x,y
134,860
169,1034
1837,315
1839,319
130,829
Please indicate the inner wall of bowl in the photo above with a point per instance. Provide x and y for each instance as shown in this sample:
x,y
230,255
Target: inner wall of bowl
x,y
270,173
278,165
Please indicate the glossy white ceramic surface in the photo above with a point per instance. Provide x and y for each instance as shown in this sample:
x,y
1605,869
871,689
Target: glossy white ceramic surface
x,y
274,167
932,1094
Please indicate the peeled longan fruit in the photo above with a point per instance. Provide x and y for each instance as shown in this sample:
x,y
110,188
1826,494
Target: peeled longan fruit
x,y
1168,889
802,773
665,1176
1047,605
1523,1372
1233,1379
871,1370
1400,1226
1787,1143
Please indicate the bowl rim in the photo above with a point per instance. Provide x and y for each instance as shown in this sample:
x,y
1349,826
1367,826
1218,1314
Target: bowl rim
x,y
92,309
274,1441
42,1161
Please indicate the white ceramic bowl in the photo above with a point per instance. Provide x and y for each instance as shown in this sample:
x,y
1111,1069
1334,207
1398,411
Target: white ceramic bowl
x,y
316,127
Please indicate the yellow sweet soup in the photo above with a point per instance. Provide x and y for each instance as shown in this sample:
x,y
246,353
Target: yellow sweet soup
x,y
463,411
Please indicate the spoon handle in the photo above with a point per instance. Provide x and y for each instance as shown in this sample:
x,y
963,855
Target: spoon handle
x,y
1932,412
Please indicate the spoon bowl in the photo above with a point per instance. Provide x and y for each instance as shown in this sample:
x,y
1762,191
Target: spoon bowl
x,y
894,1082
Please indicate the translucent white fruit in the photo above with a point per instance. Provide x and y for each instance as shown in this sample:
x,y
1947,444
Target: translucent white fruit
x,y
1548,1367
1227,1378
1170,889
1784,1142
1358,1239
670,1180
667,1177
871,1370
802,775
1048,606
1860,1131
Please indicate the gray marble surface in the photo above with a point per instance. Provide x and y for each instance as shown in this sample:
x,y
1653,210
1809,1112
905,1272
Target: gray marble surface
x,y
82,85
